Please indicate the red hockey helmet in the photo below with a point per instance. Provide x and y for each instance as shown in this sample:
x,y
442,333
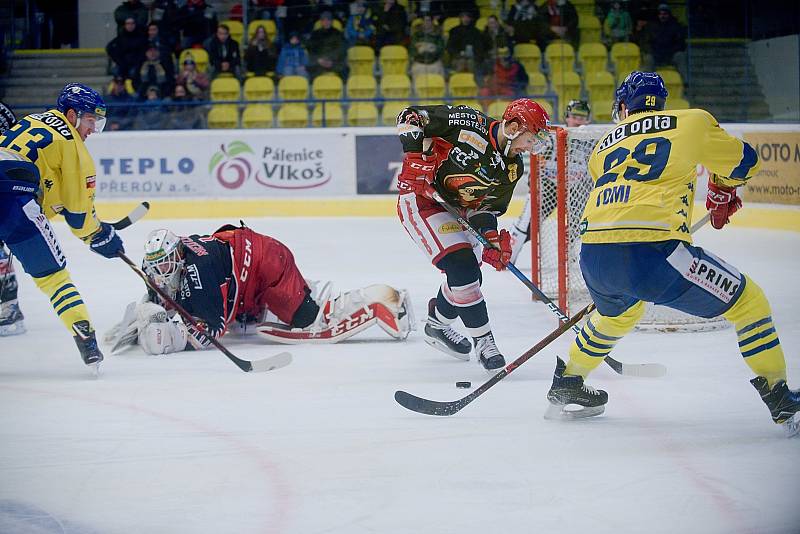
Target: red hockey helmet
x,y
530,115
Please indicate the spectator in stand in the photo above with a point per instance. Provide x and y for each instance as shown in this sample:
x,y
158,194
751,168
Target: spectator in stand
x,y
196,83
497,37
433,8
427,49
165,15
261,56
618,26
523,21
299,18
466,46
119,101
667,41
221,49
131,9
154,39
392,23
180,114
293,59
197,20
326,47
151,113
560,21
360,28
127,49
155,72
507,78
265,9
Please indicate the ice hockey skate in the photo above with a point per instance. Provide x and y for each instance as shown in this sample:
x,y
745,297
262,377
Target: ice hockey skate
x,y
12,321
87,345
570,398
443,337
783,404
488,354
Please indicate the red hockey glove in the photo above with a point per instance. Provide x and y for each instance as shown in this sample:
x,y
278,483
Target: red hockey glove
x,y
500,256
417,174
721,202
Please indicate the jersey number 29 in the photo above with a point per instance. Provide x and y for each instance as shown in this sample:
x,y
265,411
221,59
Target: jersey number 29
x,y
655,159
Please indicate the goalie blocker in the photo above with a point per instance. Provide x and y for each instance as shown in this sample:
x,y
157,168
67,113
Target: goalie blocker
x,y
239,280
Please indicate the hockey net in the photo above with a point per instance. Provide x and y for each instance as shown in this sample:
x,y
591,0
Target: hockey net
x,y
560,184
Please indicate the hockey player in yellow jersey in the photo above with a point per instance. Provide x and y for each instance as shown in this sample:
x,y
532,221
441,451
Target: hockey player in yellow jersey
x,y
636,245
46,170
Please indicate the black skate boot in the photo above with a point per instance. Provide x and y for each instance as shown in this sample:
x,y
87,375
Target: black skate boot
x,y
570,390
442,336
11,319
488,353
87,344
783,403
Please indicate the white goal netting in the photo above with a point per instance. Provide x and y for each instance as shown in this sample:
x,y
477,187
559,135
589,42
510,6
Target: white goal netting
x,y
560,192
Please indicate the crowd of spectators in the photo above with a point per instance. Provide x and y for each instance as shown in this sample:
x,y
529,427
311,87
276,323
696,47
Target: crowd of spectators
x,y
313,37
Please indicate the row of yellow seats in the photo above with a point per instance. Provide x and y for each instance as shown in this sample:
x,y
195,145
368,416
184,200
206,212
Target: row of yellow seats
x,y
560,55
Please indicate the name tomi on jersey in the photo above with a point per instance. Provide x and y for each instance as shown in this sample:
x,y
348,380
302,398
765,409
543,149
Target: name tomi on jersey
x,y
643,126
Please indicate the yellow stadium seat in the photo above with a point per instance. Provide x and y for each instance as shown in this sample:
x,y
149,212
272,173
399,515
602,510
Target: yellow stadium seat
x,y
481,23
469,102
223,116
198,55
394,59
257,116
600,85
362,114
259,88
673,81
462,84
293,116
487,10
396,86
236,29
593,57
530,56
293,88
448,24
225,89
560,56
334,116
361,59
390,112
362,86
601,110
677,103
327,87
497,108
336,23
429,86
626,58
589,27
567,85
537,83
269,26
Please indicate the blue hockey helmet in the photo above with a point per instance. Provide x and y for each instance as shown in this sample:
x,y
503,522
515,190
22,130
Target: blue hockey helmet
x,y
83,99
640,91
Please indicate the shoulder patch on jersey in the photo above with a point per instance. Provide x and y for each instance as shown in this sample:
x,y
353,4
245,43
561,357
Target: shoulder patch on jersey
x,y
474,140
56,123
643,126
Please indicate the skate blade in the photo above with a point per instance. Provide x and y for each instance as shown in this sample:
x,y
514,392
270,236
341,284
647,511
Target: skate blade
x,y
14,329
560,412
94,370
791,428
443,348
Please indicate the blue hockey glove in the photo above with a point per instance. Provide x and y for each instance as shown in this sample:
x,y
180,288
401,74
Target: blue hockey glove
x,y
106,241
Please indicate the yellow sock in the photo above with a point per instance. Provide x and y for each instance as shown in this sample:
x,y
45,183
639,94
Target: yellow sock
x,y
758,340
64,297
598,336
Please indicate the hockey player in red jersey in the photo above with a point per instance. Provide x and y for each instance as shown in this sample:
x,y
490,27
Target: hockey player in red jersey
x,y
238,279
473,163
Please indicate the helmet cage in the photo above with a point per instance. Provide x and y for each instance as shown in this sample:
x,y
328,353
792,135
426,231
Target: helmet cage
x,y
163,262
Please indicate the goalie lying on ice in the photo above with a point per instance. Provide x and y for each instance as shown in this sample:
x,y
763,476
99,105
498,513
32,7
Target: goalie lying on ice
x,y
244,281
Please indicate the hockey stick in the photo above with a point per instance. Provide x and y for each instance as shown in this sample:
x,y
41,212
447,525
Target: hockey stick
x,y
432,407
137,213
627,369
267,364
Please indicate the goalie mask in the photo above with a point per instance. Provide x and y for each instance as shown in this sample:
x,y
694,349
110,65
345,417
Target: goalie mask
x,y
163,262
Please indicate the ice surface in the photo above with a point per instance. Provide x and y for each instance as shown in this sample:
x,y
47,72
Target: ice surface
x,y
190,444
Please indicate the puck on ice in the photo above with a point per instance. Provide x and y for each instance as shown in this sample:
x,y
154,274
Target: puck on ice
x,y
464,385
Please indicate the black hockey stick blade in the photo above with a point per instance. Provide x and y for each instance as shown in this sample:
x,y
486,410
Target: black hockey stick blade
x,y
137,213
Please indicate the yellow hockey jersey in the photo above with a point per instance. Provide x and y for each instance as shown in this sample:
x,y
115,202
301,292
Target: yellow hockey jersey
x,y
645,169
67,171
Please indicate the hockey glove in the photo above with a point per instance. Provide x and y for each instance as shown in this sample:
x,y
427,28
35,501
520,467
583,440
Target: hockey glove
x,y
106,242
499,254
417,175
721,203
